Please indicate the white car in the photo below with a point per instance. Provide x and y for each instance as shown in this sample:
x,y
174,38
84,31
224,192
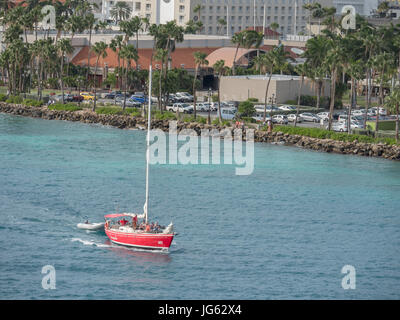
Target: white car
x,y
260,118
181,107
292,117
228,113
287,107
340,126
307,116
358,112
280,119
323,115
200,106
184,96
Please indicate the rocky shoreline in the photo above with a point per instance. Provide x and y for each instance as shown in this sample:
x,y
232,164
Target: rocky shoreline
x,y
391,152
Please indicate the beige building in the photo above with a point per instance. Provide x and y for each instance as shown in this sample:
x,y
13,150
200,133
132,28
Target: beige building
x,y
237,14
282,88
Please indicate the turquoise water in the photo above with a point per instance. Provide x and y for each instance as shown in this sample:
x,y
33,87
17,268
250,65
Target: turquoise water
x,y
284,232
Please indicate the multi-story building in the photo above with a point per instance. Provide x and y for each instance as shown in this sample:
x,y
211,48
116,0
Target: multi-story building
x,y
237,14
363,7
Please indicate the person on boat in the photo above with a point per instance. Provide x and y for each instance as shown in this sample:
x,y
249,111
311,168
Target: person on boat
x,y
123,222
156,227
134,222
148,228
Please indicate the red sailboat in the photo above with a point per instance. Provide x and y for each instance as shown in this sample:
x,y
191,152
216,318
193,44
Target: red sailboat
x,y
126,230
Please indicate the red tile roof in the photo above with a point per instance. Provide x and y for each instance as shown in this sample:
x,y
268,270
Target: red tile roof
x,y
181,57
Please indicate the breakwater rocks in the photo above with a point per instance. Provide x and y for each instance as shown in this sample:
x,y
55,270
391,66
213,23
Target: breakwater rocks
x,y
391,152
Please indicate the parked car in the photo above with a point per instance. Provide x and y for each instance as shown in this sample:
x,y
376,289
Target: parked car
x,y
184,96
287,107
200,106
128,103
309,117
87,96
358,112
112,95
292,117
181,107
260,117
139,98
260,108
280,119
323,115
340,126
228,113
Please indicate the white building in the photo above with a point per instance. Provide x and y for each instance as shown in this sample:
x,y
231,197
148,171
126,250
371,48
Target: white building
x,y
363,7
238,14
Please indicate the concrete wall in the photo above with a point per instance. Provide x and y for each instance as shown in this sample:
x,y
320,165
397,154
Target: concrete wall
x,y
282,88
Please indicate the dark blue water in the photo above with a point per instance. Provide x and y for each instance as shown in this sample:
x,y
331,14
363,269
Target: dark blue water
x,y
284,232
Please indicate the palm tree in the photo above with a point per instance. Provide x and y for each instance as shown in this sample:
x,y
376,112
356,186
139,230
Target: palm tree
x,y
220,69
274,59
384,64
137,26
64,46
238,39
100,49
316,51
199,60
333,60
161,55
116,45
274,26
393,103
301,70
129,53
90,23
121,11
221,24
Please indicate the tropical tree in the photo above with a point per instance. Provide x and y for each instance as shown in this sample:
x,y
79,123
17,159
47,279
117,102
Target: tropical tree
x,y
199,60
116,45
100,49
129,53
64,47
161,55
393,104
120,11
301,70
220,69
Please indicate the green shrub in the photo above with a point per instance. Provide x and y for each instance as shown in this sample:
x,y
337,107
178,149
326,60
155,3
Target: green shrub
x,y
246,109
118,110
65,107
325,134
3,97
252,99
32,103
14,99
166,115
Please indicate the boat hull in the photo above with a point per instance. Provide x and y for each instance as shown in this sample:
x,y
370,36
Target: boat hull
x,y
151,241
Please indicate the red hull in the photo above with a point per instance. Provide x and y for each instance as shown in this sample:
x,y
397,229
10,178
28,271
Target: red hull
x,y
140,240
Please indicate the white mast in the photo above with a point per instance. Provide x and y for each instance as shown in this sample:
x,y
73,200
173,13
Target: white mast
x,y
146,205
254,14
295,17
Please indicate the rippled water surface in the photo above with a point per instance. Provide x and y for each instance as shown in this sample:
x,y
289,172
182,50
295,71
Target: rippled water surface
x,y
284,232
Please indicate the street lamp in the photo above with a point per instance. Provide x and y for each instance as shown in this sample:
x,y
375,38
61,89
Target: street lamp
x,y
209,105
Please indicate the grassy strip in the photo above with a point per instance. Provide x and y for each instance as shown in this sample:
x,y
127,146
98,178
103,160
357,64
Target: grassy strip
x,y
65,107
325,134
